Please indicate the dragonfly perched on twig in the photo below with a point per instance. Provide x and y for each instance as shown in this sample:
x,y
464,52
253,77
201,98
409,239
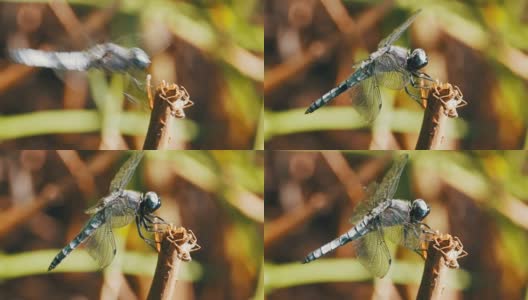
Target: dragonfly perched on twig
x,y
390,66
118,208
379,214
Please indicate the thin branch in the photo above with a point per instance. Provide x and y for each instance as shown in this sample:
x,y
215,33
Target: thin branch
x,y
442,101
443,251
169,100
176,246
430,136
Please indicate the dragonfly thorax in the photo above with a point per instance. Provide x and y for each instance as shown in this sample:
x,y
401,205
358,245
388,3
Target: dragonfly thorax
x,y
140,58
419,210
150,202
417,59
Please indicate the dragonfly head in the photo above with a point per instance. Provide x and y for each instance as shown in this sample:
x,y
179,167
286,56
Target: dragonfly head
x,y
417,60
140,58
419,210
151,202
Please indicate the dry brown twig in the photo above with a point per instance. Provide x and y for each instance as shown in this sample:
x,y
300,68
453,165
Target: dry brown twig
x,y
444,251
440,100
175,245
169,100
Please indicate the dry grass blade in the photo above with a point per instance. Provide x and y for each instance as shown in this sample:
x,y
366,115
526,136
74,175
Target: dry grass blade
x,y
443,252
175,247
169,100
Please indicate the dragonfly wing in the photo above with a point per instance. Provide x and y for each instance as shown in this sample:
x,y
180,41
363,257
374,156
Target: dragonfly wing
x,y
366,98
119,215
390,73
135,87
396,33
390,181
126,171
366,205
409,235
102,203
379,192
101,245
373,253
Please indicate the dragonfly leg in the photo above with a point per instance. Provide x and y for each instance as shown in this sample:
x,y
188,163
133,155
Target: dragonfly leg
x,y
155,219
421,84
139,223
416,98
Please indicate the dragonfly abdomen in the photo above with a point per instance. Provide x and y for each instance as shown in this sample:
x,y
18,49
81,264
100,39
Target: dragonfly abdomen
x,y
46,59
95,222
354,79
354,233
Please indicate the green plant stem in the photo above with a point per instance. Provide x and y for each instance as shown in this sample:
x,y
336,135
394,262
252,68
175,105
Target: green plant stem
x,y
340,118
347,270
78,121
16,265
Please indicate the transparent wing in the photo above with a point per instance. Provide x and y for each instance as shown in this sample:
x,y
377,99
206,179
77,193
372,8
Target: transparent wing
x,y
373,253
390,73
119,214
390,181
409,235
366,98
101,204
135,87
365,206
379,192
396,33
126,171
101,245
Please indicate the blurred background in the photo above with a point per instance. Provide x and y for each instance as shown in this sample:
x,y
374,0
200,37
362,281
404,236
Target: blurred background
x,y
216,194
479,197
479,46
214,50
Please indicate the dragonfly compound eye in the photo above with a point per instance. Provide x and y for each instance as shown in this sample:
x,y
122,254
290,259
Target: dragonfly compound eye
x,y
419,210
140,58
151,202
417,60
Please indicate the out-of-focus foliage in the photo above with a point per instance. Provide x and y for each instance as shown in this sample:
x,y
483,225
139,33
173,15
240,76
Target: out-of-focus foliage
x,y
479,46
216,194
479,197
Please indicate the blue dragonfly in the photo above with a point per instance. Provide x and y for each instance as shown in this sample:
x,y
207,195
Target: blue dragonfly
x,y
107,57
117,209
379,215
390,66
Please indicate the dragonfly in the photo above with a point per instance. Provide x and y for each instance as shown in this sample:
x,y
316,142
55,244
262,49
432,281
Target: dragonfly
x,y
380,215
108,57
117,209
390,66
